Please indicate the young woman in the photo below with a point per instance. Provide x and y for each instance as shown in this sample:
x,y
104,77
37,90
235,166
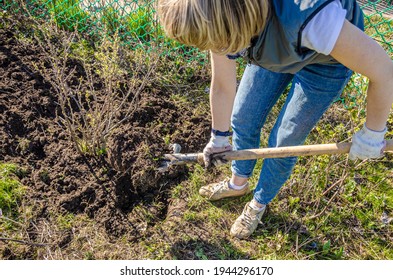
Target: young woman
x,y
313,44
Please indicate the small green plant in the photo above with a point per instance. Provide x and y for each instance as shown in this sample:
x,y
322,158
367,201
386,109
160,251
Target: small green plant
x,y
23,145
82,49
110,20
44,176
11,190
200,253
139,23
66,221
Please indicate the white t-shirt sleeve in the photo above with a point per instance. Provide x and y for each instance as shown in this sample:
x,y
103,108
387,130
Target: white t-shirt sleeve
x,y
322,32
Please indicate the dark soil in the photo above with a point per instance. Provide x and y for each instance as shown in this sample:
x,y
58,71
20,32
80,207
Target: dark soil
x,y
58,178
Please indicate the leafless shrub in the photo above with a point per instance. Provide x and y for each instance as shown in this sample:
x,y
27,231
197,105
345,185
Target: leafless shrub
x,y
97,90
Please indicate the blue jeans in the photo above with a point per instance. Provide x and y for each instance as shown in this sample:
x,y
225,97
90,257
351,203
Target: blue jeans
x,y
313,90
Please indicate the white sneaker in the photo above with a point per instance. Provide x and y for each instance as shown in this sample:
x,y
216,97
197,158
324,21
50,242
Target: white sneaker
x,y
216,191
247,222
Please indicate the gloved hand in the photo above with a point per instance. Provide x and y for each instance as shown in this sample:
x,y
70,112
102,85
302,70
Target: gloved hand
x,y
367,143
217,144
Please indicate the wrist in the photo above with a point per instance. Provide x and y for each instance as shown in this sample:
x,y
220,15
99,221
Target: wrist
x,y
375,130
216,132
373,134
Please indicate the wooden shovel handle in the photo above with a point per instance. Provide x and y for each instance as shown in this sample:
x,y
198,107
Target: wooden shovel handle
x,y
306,150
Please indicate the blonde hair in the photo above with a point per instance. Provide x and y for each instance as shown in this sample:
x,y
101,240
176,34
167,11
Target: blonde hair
x,y
222,26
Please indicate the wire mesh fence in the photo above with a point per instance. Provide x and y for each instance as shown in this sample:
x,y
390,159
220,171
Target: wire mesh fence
x,y
136,23
378,22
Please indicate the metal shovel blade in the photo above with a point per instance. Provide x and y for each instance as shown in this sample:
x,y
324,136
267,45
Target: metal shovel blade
x,y
179,159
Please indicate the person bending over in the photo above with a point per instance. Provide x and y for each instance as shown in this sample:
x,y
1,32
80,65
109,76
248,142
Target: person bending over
x,y
314,45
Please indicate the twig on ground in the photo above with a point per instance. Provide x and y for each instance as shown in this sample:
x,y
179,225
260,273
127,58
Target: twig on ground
x,y
5,239
11,220
326,206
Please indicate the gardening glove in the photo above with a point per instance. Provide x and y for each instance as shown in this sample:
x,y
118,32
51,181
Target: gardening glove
x,y
367,143
217,144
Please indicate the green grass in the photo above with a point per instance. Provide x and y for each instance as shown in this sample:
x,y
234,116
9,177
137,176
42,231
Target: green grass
x,y
11,190
134,26
137,26
68,14
140,23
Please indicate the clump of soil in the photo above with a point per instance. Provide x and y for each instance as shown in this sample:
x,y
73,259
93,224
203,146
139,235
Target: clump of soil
x,y
59,179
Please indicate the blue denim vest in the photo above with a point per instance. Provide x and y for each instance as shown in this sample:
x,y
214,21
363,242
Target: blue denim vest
x,y
278,48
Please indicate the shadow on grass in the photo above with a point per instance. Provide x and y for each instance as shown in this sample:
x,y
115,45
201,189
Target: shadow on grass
x,y
295,240
281,236
202,250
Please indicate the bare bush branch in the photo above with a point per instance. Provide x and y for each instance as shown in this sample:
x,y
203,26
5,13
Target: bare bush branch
x,y
95,94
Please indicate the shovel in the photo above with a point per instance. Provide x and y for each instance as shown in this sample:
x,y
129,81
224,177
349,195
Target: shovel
x,y
290,151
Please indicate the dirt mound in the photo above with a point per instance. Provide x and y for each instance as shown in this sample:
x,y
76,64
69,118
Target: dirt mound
x,y
58,178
